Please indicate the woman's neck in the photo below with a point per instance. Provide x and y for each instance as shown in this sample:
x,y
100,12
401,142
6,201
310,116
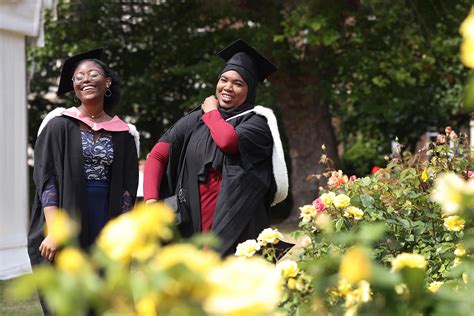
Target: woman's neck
x,y
94,111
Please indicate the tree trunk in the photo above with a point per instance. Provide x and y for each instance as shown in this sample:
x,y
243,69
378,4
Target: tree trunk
x,y
307,125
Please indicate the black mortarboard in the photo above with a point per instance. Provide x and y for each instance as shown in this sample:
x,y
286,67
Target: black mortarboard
x,y
65,81
241,54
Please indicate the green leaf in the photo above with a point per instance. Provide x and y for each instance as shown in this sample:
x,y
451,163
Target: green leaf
x,y
339,224
366,200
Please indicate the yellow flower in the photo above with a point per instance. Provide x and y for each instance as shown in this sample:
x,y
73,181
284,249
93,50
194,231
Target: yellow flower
x,y
448,190
341,201
307,213
323,221
467,26
146,306
247,248
460,250
465,277
61,228
120,237
328,198
71,260
291,283
344,286
154,219
243,287
424,176
188,255
454,223
408,260
356,212
365,294
269,236
467,53
287,268
434,286
355,266
401,289
456,262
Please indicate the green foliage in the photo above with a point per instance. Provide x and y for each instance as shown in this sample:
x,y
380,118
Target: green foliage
x,y
361,155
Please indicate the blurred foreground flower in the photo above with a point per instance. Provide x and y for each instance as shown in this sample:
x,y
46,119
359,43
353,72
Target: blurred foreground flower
x,y
243,287
449,191
408,260
434,286
62,228
136,232
71,260
355,265
467,46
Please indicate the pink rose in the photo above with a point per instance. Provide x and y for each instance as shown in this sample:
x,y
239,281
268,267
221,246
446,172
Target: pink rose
x,y
352,178
453,135
319,205
470,174
448,130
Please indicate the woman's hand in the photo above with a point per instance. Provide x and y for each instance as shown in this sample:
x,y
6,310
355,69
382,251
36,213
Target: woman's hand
x,y
210,104
48,248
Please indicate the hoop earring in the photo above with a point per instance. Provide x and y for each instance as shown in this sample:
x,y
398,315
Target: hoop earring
x,y
108,93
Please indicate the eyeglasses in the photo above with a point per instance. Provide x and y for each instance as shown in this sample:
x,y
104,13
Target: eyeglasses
x,y
92,75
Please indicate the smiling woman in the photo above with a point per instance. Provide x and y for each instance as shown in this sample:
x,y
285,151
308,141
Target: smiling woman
x,y
85,160
222,156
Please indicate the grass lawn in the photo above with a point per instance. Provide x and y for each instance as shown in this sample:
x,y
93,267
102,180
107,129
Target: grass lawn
x,y
9,307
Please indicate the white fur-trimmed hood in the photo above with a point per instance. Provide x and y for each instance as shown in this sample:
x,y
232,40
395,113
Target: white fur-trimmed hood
x,y
280,171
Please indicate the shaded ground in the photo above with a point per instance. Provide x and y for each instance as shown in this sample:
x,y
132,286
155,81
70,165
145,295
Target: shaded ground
x,y
9,307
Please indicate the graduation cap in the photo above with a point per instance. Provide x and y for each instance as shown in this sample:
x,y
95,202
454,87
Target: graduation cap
x,y
241,54
65,81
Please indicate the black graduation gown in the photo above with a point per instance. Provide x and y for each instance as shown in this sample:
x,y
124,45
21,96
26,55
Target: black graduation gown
x,y
247,186
58,151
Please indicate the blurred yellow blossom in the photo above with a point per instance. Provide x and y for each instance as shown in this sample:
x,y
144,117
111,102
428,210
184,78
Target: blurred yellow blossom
x,y
61,227
120,237
307,213
465,277
146,306
323,221
188,255
154,219
408,260
287,268
467,46
448,191
291,283
355,265
71,260
328,198
269,236
434,286
454,223
243,287
341,201
247,248
401,289
456,262
352,211
460,250
344,286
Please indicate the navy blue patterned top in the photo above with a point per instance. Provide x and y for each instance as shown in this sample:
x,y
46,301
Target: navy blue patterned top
x,y
98,158
98,155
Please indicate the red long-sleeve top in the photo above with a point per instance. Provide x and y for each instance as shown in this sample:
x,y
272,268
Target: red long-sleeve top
x,y
224,136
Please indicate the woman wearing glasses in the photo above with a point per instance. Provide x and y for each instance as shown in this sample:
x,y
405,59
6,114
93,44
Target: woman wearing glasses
x,y
85,160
